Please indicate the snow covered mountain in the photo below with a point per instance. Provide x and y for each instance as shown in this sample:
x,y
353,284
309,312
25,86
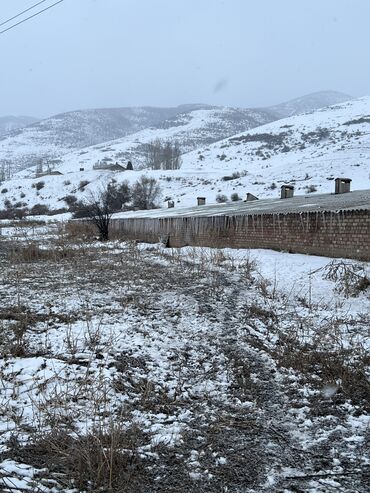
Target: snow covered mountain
x,y
10,123
313,101
192,130
307,150
54,137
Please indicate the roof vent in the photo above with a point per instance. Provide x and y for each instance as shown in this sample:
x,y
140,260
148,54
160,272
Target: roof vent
x,y
342,185
201,200
287,191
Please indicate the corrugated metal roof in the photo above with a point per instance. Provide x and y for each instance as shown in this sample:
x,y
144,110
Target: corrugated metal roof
x,y
359,199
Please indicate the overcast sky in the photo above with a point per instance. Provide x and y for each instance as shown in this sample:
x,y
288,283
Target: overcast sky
x,y
105,53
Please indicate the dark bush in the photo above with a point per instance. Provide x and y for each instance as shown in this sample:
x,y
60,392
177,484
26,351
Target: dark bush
x,y
70,200
39,210
220,198
54,212
39,185
81,210
235,197
82,185
13,213
311,189
117,195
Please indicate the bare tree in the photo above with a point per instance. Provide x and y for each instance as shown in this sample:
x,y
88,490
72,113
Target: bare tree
x,y
5,169
118,195
163,154
145,193
39,167
98,211
99,208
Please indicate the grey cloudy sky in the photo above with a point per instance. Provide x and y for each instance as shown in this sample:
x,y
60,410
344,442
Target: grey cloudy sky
x,y
104,53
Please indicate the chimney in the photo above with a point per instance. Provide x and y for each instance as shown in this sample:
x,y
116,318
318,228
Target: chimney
x,y
342,185
250,197
201,200
171,204
287,191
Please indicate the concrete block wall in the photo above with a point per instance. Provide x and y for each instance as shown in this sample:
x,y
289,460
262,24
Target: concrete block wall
x,y
333,234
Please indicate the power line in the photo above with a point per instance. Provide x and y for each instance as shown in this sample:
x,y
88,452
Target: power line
x,y
30,17
23,12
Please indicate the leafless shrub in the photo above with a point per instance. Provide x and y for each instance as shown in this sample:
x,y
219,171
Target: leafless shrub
x,y
311,188
80,230
104,459
25,223
247,268
263,284
31,252
323,367
145,193
323,356
13,339
257,311
350,278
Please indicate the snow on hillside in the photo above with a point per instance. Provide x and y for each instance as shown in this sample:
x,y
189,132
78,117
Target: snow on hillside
x,y
53,137
192,130
310,102
10,123
308,150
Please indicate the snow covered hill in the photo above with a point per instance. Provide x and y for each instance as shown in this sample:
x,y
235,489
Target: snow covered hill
x,y
54,137
192,130
307,150
310,102
58,135
10,123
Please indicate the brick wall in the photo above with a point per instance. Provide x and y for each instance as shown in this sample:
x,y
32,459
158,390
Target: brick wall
x,y
332,234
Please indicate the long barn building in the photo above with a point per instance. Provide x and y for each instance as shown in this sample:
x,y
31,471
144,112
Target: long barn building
x,y
333,225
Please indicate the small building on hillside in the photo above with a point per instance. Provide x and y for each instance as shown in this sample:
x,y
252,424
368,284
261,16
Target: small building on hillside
x,y
48,173
105,166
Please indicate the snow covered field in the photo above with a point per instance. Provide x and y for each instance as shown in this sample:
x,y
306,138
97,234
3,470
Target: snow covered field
x,y
139,368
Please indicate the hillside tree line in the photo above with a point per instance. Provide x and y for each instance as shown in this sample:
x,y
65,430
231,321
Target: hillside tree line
x,y
163,154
